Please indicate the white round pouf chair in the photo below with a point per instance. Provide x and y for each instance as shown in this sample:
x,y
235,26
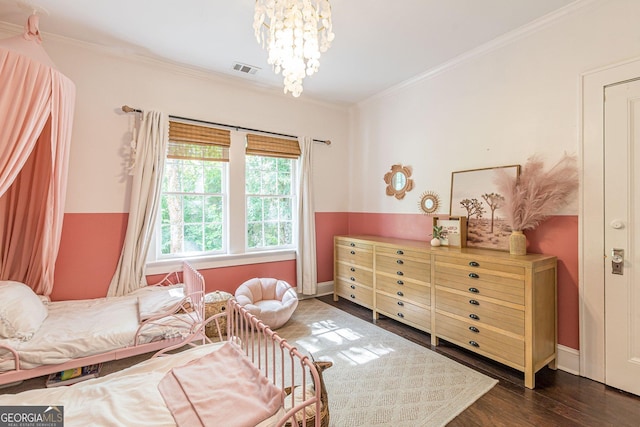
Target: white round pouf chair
x,y
271,300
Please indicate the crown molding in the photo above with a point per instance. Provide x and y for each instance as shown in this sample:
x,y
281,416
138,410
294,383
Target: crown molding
x,y
171,66
493,45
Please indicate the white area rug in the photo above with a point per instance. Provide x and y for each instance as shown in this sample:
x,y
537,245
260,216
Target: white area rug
x,y
379,378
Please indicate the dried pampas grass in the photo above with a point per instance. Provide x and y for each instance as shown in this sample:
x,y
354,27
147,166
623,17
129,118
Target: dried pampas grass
x,y
536,194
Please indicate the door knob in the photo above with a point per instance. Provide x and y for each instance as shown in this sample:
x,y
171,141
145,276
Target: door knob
x,y
617,261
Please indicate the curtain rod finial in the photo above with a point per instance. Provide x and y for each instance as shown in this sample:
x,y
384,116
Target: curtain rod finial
x,y
127,109
328,142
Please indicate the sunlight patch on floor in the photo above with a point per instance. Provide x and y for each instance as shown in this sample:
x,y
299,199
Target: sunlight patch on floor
x,y
328,334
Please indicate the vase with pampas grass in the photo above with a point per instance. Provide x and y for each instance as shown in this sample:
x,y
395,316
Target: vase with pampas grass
x,y
534,195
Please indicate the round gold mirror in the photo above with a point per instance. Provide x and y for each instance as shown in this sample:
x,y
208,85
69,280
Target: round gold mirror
x,y
429,202
398,181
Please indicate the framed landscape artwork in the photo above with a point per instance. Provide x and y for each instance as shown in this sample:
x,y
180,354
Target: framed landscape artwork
x,y
474,194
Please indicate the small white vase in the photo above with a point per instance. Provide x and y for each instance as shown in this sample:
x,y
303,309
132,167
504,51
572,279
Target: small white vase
x,y
435,242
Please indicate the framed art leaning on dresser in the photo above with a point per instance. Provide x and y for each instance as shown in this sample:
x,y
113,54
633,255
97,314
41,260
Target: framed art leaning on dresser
x,y
453,232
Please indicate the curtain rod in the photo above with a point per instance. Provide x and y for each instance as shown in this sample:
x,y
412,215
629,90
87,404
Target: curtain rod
x,y
128,109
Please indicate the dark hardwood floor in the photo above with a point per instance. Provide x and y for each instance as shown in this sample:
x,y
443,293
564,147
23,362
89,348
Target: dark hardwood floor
x,y
559,399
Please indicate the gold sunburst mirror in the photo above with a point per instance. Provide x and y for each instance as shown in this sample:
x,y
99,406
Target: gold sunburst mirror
x,y
429,202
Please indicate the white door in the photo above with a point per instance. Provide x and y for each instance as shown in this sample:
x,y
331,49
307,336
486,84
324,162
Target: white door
x,y
621,217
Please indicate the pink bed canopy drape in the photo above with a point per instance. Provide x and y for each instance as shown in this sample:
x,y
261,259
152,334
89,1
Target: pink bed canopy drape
x,y
36,117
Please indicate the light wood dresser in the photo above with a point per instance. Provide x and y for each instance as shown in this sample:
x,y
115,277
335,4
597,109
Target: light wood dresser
x,y
495,304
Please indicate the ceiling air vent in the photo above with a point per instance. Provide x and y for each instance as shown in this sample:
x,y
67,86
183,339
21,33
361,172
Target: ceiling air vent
x,y
244,68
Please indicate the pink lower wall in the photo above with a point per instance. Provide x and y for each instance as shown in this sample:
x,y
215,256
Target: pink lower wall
x,y
91,245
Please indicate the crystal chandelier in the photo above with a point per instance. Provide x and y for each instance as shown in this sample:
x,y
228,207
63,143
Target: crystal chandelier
x,y
295,32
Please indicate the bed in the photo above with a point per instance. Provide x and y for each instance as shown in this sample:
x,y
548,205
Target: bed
x,y
39,337
210,390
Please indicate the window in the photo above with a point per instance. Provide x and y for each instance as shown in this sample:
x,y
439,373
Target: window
x,y
220,198
270,202
192,212
270,191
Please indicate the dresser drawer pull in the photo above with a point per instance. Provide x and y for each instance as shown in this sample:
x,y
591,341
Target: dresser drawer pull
x,y
400,303
474,329
474,290
473,264
400,315
399,273
352,286
352,252
473,343
400,282
352,244
473,276
400,252
352,269
399,262
352,296
473,302
474,316
353,279
400,294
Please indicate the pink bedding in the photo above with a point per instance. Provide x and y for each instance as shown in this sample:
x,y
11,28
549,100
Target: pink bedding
x,y
239,395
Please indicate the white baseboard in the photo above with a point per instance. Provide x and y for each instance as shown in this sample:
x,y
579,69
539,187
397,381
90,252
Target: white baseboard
x,y
324,288
568,358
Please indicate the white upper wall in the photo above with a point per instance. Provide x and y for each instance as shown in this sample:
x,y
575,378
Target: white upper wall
x,y
98,180
517,97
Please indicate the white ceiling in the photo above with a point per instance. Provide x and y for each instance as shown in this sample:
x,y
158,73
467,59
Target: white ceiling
x,y
378,44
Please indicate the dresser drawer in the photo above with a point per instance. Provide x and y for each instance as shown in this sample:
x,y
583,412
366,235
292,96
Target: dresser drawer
x,y
403,267
403,253
480,283
403,311
354,273
477,337
355,255
355,244
353,292
472,307
470,263
402,288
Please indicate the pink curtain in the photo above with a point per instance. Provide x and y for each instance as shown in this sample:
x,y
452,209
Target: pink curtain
x,y
36,116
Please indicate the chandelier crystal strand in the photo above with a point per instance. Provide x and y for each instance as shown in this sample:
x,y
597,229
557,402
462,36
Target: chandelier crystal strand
x,y
295,33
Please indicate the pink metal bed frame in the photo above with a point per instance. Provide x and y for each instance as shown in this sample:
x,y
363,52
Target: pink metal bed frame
x,y
192,304
268,351
276,359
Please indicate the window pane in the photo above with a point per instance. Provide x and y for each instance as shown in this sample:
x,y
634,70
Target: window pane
x,y
269,183
193,238
286,208
213,237
192,209
270,209
284,184
213,209
271,234
286,233
254,209
254,235
212,178
191,177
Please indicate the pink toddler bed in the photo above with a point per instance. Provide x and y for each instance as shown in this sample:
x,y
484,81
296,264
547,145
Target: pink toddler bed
x,y
39,338
243,381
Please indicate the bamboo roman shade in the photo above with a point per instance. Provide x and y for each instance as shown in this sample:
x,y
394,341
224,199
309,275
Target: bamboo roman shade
x,y
194,142
269,146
